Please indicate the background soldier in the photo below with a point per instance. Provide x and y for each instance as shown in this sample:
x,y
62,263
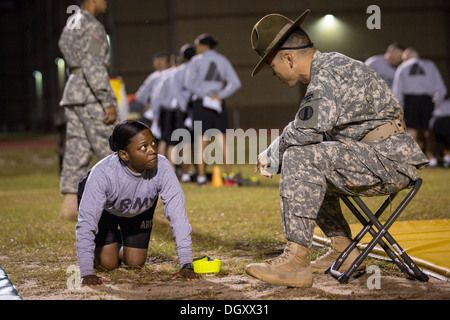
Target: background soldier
x,y
89,101
161,61
386,64
419,87
347,137
210,76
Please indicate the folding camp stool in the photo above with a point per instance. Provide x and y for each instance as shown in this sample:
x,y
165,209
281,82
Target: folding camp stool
x,y
401,259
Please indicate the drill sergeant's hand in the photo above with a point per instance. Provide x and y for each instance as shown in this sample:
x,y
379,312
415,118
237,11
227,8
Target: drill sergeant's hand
x,y
110,115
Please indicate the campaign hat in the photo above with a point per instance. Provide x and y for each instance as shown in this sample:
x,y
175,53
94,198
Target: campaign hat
x,y
269,33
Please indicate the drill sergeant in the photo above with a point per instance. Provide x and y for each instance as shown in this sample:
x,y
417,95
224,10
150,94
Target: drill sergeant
x,y
89,101
347,137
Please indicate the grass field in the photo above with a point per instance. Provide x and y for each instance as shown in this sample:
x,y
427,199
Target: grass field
x,y
234,224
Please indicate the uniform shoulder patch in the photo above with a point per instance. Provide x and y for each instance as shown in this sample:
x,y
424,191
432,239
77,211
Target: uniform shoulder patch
x,y
95,46
97,36
306,113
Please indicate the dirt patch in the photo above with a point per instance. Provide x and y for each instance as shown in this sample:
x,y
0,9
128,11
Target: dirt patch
x,y
153,282
243,287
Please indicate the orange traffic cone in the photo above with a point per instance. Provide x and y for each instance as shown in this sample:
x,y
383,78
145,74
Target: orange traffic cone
x,y
217,177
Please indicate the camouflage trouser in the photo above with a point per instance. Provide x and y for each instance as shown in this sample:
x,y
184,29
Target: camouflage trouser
x,y
312,176
86,135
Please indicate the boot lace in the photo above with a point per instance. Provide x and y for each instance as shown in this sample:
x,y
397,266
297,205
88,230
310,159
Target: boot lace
x,y
288,251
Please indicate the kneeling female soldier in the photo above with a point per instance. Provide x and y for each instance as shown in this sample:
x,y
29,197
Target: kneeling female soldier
x,y
122,191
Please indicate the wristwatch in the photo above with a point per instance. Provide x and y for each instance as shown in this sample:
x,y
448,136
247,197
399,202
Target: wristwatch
x,y
188,266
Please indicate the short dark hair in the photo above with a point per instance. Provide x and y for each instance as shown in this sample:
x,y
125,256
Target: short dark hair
x,y
187,51
124,132
163,55
298,37
395,46
207,39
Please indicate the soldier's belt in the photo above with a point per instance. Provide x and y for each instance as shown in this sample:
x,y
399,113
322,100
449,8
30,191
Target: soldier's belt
x,y
385,131
77,70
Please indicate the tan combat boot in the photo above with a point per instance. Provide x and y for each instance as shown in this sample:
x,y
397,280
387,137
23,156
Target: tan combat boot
x,y
338,246
292,268
69,210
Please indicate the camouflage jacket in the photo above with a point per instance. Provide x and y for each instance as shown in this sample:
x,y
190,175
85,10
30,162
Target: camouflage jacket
x,y
345,100
85,49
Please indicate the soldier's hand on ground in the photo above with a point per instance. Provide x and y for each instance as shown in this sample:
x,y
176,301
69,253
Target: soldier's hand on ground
x,y
187,274
94,280
110,115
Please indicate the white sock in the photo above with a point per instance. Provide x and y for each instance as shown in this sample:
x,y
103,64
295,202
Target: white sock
x,y
447,158
433,162
201,179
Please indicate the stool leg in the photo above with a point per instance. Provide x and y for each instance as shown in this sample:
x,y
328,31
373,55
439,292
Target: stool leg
x,y
367,228
409,266
343,277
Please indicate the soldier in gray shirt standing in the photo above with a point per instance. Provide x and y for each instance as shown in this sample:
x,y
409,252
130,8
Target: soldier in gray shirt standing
x,y
418,86
386,64
210,77
161,62
347,137
89,100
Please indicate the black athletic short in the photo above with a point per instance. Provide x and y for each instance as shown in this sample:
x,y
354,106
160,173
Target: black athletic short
x,y
167,120
171,121
132,232
210,119
418,110
441,130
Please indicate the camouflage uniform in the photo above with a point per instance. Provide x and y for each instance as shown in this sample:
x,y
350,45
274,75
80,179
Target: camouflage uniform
x,y
322,152
87,93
